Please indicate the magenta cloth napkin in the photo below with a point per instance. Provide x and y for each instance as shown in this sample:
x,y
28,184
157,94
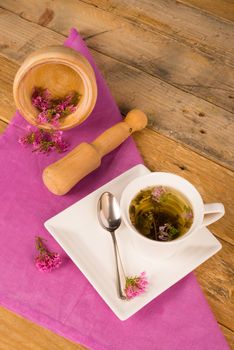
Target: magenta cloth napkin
x,y
63,300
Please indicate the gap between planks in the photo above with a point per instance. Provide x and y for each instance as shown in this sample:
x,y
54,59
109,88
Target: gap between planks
x,y
223,9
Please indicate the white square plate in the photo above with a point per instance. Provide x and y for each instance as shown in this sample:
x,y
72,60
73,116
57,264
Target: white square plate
x,y
79,233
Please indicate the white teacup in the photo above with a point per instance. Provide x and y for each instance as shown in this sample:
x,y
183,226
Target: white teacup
x,y
203,214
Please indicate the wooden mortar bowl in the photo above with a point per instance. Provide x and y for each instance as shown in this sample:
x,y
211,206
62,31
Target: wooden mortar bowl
x,y
60,70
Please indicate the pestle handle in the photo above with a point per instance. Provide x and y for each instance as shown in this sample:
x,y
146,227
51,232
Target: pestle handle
x,y
117,134
62,175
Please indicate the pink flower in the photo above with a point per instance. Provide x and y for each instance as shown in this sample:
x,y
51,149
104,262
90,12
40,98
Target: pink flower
x,y
189,215
46,261
43,141
57,136
157,193
55,123
23,141
135,286
41,99
52,110
42,117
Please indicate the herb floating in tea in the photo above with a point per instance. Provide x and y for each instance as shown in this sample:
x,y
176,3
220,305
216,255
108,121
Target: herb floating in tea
x,y
135,286
157,193
53,109
161,213
46,261
43,141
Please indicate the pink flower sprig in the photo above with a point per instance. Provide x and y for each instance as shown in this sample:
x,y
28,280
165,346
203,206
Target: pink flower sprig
x,y
43,141
157,193
135,286
46,261
53,109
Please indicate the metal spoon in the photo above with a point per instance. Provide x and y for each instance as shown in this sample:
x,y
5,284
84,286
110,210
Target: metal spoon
x,y
110,220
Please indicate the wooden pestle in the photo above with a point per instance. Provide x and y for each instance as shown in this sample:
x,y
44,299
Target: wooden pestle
x,y
62,175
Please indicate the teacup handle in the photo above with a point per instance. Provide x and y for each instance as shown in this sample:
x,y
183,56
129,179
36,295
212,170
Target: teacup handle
x,y
212,213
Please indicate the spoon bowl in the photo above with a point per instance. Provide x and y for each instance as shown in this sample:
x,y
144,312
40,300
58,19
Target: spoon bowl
x,y
109,212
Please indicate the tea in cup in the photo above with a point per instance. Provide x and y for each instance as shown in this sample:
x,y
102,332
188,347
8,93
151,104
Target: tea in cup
x,y
162,210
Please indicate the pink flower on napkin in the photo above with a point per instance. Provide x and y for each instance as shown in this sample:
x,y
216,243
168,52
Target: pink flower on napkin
x,y
43,141
46,261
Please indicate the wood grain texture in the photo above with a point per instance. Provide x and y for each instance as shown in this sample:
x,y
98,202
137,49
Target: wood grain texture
x,y
184,24
17,333
7,72
201,125
171,18
223,9
152,52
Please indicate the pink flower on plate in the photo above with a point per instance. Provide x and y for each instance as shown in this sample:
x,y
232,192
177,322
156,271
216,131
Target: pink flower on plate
x,y
135,286
46,261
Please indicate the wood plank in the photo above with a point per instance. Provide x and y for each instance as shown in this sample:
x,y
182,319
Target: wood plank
x,y
26,335
223,9
8,70
184,24
204,127
159,55
215,183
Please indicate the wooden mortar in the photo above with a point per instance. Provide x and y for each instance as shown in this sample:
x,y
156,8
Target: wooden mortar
x,y
62,175
60,70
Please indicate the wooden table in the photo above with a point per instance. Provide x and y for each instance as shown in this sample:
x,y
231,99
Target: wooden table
x,y
174,60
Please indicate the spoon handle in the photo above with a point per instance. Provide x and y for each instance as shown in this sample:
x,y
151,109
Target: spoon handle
x,y
121,295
